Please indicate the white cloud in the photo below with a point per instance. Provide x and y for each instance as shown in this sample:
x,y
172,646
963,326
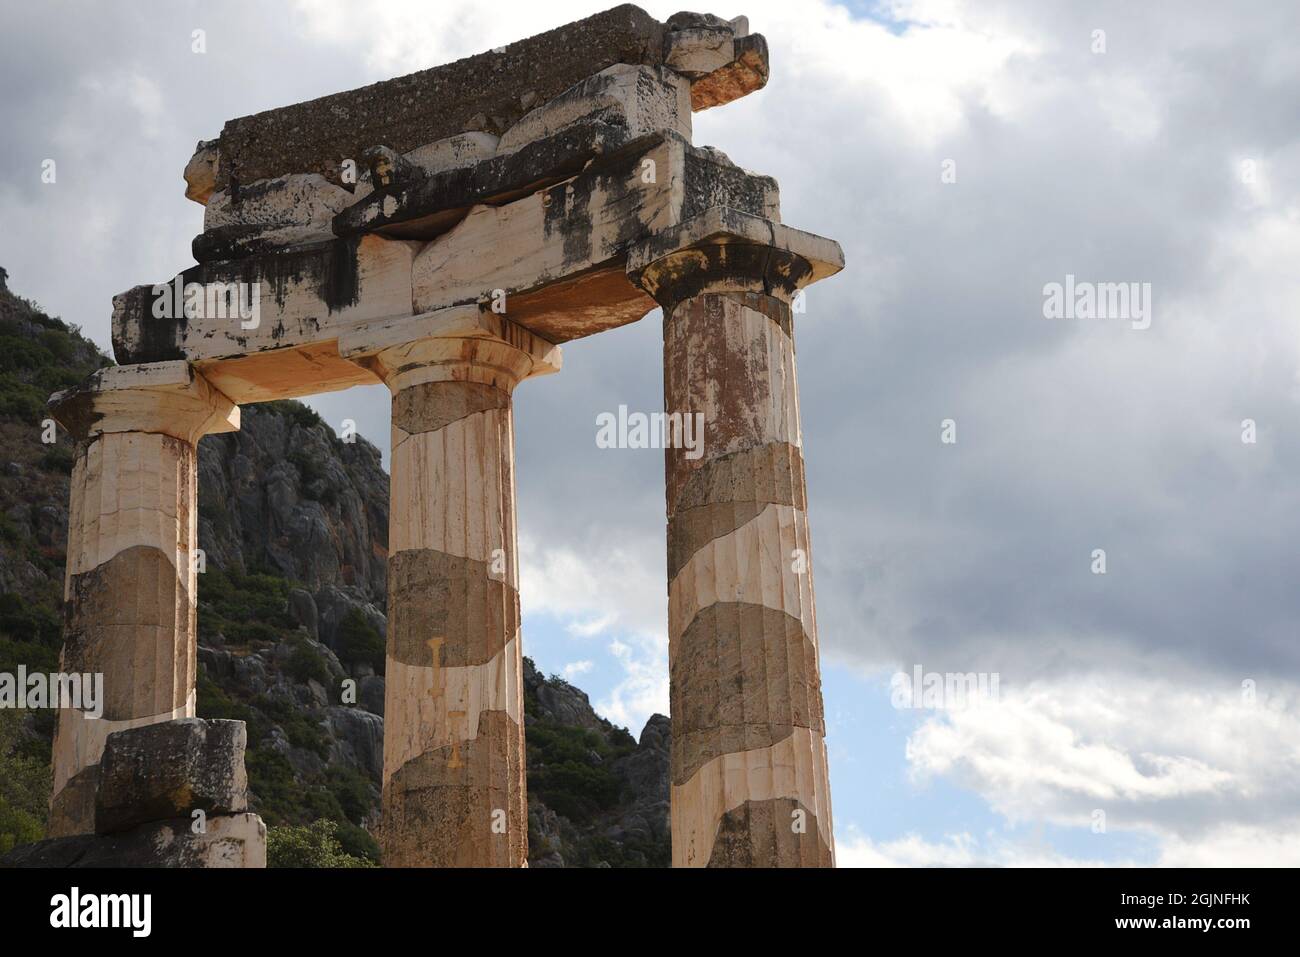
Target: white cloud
x,y
575,668
1235,846
592,626
598,589
853,849
644,688
1209,772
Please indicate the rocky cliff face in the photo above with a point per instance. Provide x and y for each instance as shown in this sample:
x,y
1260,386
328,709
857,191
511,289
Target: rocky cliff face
x,y
596,797
38,355
293,523
286,496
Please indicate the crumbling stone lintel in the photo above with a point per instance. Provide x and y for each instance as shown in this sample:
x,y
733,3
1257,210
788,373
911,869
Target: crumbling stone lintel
x,y
721,58
489,92
419,205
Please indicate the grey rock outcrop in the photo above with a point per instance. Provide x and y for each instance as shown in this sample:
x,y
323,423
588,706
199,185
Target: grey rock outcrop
x,y
357,739
622,819
286,495
562,701
646,774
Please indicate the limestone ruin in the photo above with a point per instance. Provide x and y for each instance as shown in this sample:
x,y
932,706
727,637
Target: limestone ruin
x,y
445,233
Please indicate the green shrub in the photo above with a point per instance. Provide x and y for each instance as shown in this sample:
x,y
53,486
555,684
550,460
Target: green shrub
x,y
360,642
32,633
270,778
37,657
254,597
303,416
314,845
307,664
569,770
213,702
352,790
248,609
24,788
301,730
357,842
21,400
58,458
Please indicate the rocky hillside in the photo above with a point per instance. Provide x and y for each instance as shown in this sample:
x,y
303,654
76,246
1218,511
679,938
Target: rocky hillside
x,y
293,523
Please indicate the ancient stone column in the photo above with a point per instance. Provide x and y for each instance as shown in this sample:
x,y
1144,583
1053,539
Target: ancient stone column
x,y
454,769
749,775
130,588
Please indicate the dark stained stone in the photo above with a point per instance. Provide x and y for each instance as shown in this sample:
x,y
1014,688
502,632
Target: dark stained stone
x,y
726,492
170,843
438,806
762,834
711,356
713,180
689,20
691,529
487,92
722,266
764,473
425,206
434,594
171,769
132,601
430,406
743,677
72,810
330,267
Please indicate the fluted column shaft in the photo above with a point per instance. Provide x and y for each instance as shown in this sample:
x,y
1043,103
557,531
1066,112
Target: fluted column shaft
x,y
130,587
454,770
749,775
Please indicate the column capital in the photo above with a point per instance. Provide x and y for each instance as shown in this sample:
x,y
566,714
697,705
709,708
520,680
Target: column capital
x,y
457,344
170,398
726,250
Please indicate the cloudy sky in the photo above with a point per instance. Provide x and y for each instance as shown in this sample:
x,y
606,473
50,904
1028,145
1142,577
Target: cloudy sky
x,y
965,155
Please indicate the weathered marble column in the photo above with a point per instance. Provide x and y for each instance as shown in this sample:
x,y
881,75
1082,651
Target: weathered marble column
x,y
130,589
749,776
454,768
